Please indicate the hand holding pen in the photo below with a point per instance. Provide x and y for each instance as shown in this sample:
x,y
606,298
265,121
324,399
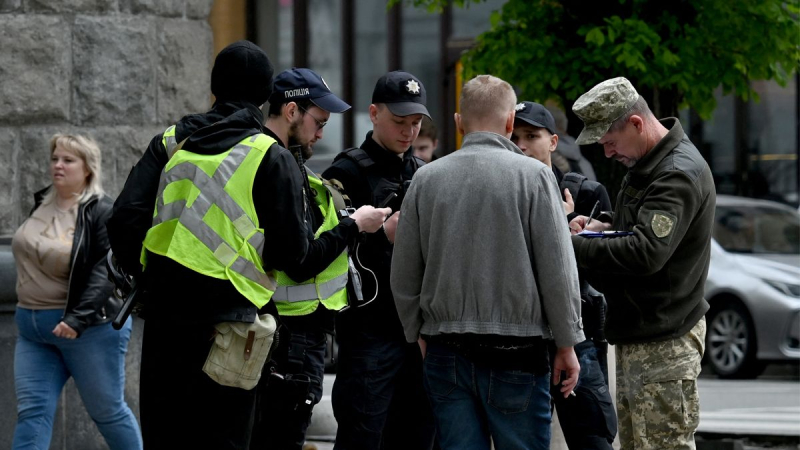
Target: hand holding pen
x,y
581,223
591,214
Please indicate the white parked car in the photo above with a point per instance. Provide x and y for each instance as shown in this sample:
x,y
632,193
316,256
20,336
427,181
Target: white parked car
x,y
753,287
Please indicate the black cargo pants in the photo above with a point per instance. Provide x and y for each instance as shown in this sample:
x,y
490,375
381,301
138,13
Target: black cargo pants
x,y
289,388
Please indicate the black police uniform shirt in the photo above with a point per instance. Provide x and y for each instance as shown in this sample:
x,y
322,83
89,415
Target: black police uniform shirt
x,y
590,193
371,186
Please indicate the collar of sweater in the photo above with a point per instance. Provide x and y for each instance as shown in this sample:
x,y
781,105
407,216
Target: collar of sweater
x,y
484,140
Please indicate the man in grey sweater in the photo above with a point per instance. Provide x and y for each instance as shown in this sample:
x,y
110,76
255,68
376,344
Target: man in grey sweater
x,y
483,271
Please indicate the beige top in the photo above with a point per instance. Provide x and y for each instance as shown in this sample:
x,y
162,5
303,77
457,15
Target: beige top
x,y
42,247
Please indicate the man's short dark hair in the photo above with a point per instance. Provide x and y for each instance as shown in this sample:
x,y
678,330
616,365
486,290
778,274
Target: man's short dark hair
x,y
428,129
303,103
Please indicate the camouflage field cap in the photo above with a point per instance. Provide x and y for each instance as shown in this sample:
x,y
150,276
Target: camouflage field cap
x,y
601,106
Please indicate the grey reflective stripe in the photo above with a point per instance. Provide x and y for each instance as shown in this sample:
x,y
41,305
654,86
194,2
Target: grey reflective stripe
x,y
212,192
291,294
171,141
257,241
306,292
248,270
333,286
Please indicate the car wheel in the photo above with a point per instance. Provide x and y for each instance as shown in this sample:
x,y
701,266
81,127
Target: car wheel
x,y
731,342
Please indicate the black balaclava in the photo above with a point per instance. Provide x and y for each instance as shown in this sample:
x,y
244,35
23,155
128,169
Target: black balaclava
x,y
242,72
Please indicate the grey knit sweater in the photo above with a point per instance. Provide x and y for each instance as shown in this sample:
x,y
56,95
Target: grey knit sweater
x,y
482,247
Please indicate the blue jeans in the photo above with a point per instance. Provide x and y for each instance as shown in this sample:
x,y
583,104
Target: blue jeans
x,y
473,403
96,361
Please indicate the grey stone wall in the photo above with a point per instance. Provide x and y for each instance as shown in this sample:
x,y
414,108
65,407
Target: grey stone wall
x,y
120,71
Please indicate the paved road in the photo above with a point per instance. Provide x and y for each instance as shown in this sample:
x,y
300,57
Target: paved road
x,y
740,407
323,424
768,406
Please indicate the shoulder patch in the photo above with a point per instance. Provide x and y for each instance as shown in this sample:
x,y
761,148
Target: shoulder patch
x,y
662,224
357,155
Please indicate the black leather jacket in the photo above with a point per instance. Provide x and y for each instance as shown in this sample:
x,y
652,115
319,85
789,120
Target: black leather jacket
x,y
89,297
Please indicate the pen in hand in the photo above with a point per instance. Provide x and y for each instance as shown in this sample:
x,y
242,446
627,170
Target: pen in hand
x,y
591,214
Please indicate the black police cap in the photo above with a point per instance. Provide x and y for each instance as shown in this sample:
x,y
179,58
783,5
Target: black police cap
x,y
402,93
536,115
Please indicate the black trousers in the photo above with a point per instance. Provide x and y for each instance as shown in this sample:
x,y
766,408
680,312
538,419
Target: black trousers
x,y
284,404
588,419
181,407
378,398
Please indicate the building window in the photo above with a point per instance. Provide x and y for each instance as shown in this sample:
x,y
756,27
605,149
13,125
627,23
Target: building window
x,y
772,141
421,54
752,147
325,58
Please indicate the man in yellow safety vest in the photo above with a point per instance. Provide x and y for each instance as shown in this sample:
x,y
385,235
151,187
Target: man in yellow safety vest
x,y
211,211
310,292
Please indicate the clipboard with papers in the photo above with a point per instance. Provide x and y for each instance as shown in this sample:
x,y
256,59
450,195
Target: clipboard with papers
x,y
605,234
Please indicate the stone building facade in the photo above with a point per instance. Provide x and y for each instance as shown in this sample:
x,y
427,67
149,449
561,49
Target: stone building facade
x,y
120,71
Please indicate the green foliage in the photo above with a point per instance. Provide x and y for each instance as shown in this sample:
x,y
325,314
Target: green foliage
x,y
680,51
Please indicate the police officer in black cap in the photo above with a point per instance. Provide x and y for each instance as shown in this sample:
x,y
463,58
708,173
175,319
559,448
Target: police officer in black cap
x,y
587,418
378,397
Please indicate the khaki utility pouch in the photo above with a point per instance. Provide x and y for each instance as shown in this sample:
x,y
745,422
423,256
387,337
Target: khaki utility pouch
x,y
240,351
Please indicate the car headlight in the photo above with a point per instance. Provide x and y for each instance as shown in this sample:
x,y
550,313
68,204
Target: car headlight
x,y
792,290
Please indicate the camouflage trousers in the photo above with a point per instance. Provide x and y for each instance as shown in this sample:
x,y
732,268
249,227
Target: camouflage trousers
x,y
658,406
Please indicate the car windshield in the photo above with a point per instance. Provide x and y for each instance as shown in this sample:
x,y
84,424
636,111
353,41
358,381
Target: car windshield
x,y
757,229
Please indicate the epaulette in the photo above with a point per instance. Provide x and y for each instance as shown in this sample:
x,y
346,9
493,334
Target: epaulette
x,y
573,182
357,155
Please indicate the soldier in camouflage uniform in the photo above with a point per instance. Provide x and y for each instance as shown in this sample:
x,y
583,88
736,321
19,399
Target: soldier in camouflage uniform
x,y
653,278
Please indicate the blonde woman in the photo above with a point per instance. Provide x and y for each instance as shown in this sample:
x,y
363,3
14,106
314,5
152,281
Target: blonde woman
x,y
65,304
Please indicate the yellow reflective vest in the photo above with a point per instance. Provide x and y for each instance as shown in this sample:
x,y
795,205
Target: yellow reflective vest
x,y
205,219
329,286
